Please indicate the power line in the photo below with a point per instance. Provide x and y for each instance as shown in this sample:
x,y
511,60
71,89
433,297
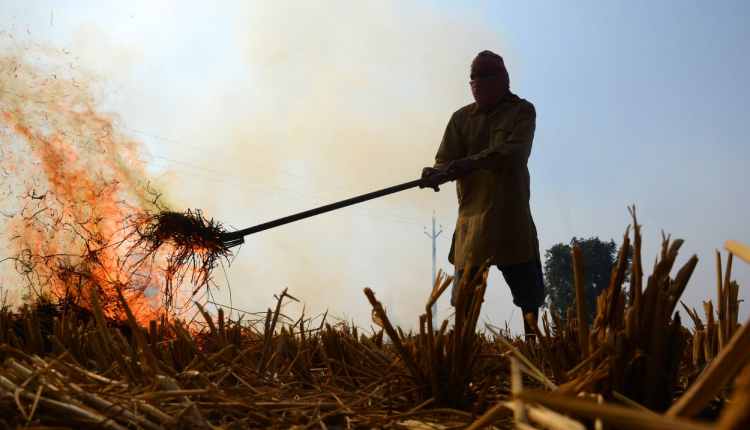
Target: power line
x,y
218,176
393,217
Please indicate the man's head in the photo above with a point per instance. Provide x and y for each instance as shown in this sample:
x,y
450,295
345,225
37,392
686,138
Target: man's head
x,y
489,79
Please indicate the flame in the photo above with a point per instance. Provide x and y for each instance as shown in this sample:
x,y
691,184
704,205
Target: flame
x,y
76,182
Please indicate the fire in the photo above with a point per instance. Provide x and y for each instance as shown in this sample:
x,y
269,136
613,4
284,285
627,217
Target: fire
x,y
77,185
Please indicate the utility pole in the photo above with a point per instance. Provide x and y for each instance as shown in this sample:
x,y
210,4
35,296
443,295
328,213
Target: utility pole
x,y
433,236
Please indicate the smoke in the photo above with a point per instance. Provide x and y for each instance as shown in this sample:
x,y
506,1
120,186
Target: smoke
x,y
255,111
338,101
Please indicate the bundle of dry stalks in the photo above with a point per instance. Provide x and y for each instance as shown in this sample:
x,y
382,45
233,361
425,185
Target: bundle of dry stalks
x,y
192,244
443,363
638,355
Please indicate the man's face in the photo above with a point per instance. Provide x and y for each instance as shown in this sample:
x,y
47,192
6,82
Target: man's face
x,y
487,81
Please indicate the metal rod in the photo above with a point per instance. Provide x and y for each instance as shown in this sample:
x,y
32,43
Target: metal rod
x,y
234,238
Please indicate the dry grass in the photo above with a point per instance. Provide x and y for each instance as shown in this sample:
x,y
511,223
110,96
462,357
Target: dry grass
x,y
636,366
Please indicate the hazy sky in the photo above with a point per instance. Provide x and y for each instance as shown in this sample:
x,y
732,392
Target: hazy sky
x,y
254,110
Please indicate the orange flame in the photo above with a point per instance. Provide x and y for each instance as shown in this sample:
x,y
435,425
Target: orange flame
x,y
80,181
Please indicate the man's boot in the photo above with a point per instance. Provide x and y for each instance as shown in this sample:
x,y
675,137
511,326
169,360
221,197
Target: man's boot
x,y
529,329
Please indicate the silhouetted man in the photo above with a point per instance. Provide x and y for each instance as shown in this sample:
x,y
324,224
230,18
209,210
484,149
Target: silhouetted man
x,y
486,145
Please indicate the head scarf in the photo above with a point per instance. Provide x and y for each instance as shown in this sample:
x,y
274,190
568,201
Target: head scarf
x,y
496,62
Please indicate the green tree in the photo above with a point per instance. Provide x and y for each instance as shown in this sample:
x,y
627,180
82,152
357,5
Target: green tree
x,y
599,258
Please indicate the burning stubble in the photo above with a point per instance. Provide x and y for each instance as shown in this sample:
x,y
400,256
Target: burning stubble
x,y
77,212
191,244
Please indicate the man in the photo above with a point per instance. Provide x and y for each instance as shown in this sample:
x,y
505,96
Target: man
x,y
486,146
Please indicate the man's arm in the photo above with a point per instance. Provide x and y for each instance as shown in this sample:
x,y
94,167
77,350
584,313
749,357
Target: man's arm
x,y
451,149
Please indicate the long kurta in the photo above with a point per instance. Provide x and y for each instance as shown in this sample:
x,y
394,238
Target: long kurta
x,y
494,219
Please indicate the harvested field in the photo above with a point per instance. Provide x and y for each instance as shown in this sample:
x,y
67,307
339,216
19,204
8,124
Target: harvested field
x,y
636,366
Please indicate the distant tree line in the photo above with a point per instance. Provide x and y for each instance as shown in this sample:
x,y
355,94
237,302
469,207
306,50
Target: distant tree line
x,y
599,259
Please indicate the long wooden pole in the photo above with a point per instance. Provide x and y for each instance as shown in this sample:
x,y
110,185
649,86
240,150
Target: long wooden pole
x,y
235,238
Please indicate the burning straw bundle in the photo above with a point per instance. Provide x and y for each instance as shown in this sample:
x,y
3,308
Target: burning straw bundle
x,y
192,244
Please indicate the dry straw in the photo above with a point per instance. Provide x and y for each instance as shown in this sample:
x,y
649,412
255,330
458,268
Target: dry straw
x,y
634,367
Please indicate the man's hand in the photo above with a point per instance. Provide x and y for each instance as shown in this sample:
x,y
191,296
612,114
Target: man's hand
x,y
432,177
429,171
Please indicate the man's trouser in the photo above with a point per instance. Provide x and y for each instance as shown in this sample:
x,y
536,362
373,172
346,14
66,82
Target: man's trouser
x,y
525,280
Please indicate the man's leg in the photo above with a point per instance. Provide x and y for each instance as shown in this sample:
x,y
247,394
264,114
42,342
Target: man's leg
x,y
526,282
